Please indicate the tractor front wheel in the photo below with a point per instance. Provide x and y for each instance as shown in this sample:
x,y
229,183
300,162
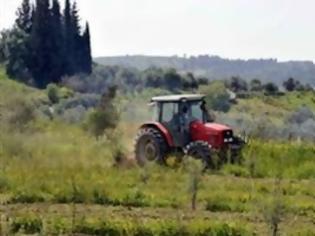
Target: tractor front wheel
x,y
202,151
150,146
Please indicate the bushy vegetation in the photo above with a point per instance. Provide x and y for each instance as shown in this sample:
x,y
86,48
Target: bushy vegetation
x,y
29,225
130,80
162,228
26,225
105,116
217,97
294,85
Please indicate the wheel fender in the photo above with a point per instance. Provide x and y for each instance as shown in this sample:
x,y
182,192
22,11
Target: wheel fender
x,y
162,129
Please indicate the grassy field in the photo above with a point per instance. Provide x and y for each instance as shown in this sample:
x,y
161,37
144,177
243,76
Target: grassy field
x,y
57,179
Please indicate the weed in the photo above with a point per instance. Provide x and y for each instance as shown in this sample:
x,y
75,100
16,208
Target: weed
x,y
220,203
135,198
27,225
27,196
101,197
274,209
195,172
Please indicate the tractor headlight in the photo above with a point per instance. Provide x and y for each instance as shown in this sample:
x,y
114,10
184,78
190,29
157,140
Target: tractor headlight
x,y
228,140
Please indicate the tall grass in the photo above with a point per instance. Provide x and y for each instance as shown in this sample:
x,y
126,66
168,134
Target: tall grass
x,y
295,160
30,224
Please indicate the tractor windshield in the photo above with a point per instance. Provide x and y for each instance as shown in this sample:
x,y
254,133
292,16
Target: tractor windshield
x,y
195,112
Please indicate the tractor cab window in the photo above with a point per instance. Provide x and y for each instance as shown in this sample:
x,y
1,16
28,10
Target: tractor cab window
x,y
154,109
169,111
195,112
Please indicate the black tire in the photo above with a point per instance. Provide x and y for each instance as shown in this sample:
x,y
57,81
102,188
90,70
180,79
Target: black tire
x,y
150,145
202,151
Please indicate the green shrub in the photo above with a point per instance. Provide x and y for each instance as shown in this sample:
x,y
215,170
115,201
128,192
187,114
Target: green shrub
x,y
62,197
78,194
99,228
222,229
26,225
101,198
105,116
58,226
65,93
98,121
222,203
71,193
159,228
53,93
135,198
23,196
217,97
270,88
18,114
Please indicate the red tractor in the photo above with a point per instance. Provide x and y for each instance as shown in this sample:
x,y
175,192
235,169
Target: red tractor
x,y
182,124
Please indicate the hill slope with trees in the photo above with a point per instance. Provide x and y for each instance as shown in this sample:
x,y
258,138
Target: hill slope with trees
x,y
213,67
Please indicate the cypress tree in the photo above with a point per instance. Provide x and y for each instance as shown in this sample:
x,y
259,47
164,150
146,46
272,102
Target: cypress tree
x,y
33,14
68,40
41,45
24,17
75,21
87,57
57,43
77,41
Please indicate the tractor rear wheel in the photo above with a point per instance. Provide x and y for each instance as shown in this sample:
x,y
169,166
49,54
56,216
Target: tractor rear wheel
x,y
150,146
201,150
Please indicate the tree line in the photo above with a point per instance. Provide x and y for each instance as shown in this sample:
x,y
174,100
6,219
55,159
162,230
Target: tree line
x,y
239,85
134,80
217,68
46,43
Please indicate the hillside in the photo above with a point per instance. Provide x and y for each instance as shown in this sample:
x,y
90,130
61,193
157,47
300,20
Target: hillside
x,y
215,67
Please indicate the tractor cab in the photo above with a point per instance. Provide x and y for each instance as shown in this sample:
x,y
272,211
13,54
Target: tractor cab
x,y
182,122
177,112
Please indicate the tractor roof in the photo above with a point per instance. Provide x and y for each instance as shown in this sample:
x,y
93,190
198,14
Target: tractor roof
x,y
177,98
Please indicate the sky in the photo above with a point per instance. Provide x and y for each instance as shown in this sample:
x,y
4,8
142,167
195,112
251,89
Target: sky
x,y
281,29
